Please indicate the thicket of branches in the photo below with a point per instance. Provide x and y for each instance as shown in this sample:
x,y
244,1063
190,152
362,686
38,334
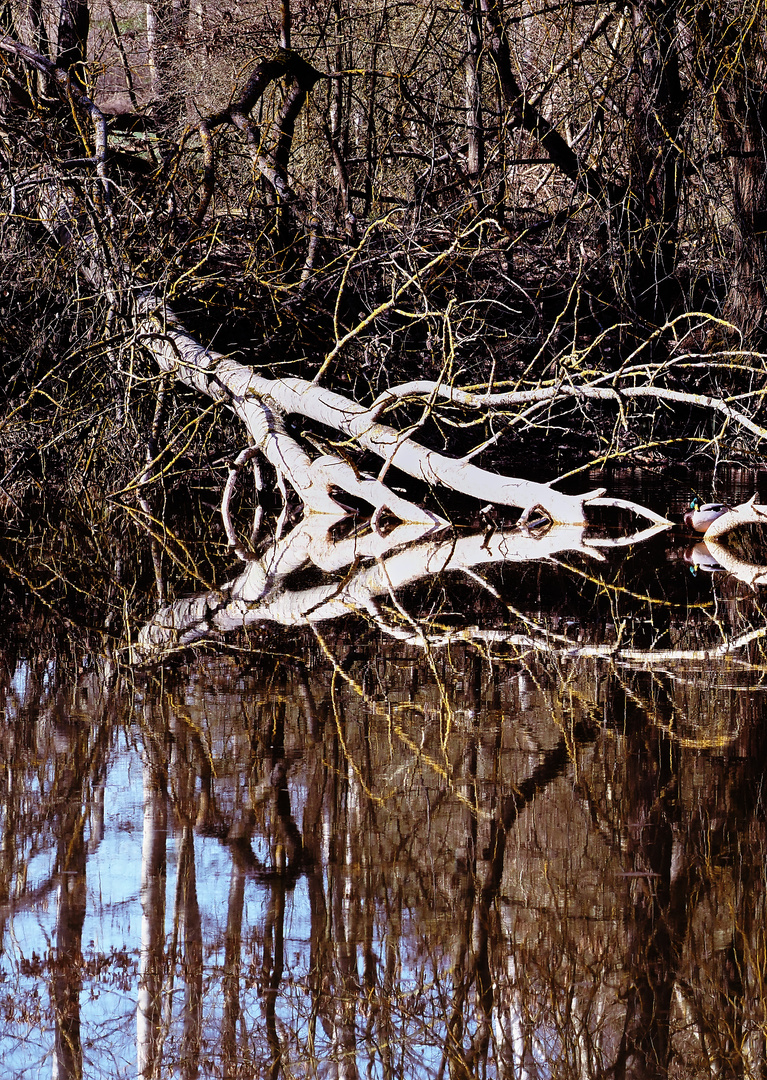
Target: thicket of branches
x,y
519,197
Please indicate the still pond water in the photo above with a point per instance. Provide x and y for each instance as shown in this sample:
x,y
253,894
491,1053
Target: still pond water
x,y
486,806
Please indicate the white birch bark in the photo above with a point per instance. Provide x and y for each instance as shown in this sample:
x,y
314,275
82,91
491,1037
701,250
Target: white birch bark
x,y
261,402
747,513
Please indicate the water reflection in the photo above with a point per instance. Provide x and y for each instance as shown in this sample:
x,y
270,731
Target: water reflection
x,y
391,847
359,569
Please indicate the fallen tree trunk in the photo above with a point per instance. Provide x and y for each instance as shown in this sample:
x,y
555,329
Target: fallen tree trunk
x,y
260,402
747,513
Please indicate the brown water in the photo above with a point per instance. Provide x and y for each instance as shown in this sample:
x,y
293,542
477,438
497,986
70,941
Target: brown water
x,y
463,813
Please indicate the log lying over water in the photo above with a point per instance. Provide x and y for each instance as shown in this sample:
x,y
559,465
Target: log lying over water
x,y
262,403
747,513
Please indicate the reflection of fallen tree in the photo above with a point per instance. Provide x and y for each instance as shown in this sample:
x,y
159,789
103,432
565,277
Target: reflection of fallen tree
x,y
380,566
365,567
751,573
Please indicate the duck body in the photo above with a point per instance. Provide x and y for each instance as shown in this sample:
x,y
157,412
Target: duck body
x,y
700,515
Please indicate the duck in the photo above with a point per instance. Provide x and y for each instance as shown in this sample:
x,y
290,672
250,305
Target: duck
x,y
700,515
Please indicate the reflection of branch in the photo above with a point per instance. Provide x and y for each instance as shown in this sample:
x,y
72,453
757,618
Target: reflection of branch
x,y
559,645
661,524
260,593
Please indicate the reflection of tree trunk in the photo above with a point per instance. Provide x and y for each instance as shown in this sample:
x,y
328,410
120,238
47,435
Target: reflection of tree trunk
x,y
515,1033
190,908
344,908
232,965
472,959
274,956
333,955
80,772
151,961
387,1034
97,817
320,783
514,1030
274,927
724,990
67,975
465,901
488,745
658,917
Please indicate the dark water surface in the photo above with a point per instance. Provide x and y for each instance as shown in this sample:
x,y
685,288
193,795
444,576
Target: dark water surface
x,y
465,813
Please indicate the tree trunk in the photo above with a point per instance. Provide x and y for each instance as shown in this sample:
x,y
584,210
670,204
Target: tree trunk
x,y
522,113
650,209
731,63
164,29
743,119
74,24
475,155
